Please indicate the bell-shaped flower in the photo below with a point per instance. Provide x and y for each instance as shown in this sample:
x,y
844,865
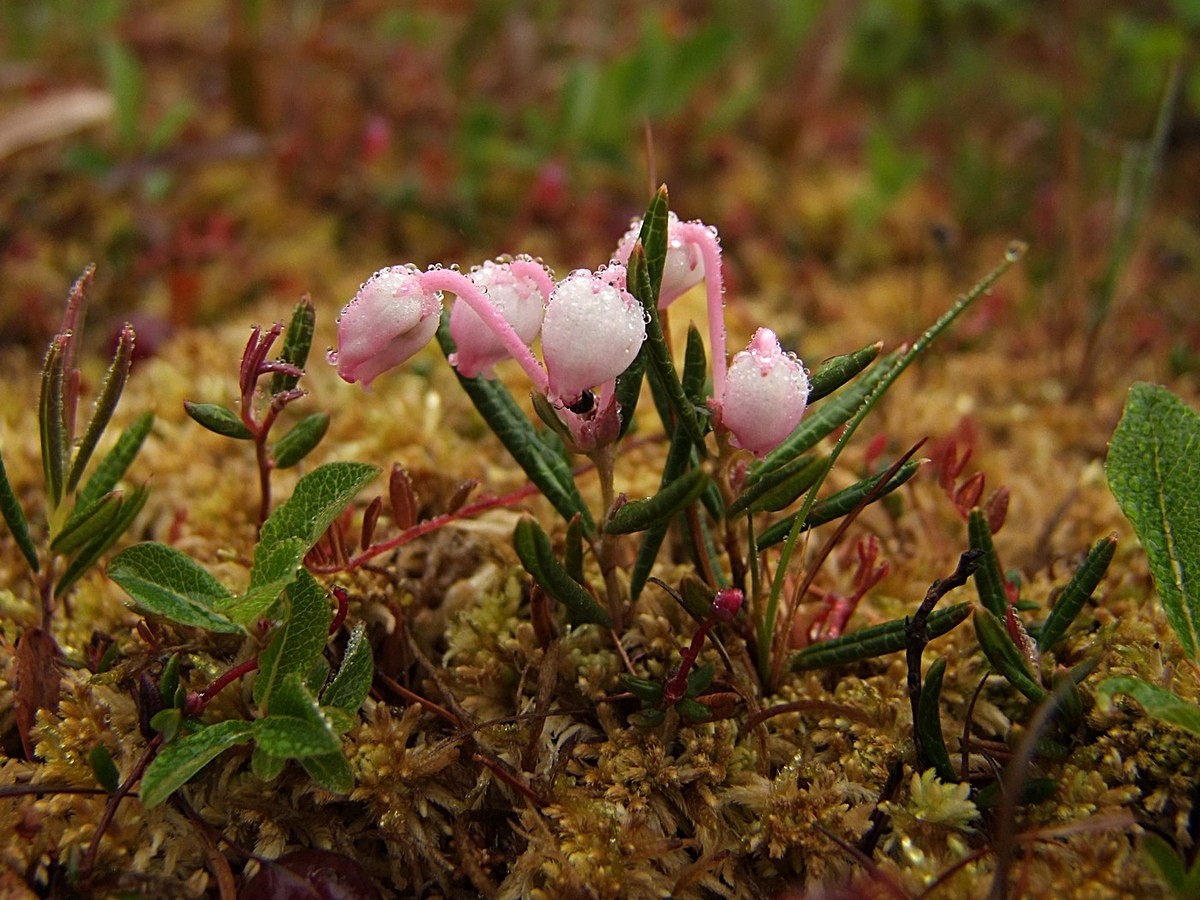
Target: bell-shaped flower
x,y
392,316
592,331
518,290
683,268
764,396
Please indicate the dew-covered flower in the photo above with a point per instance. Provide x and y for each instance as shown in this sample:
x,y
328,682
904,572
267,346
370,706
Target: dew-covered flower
x,y
518,290
392,316
683,268
765,393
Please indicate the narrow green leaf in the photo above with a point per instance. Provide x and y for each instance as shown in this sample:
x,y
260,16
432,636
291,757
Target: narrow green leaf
x,y
929,724
647,718
878,640
1159,703
168,683
838,371
117,461
1005,657
693,710
50,418
629,382
300,441
14,517
533,547
266,766
1154,472
105,406
989,581
679,454
700,678
1184,883
1078,591
297,341
178,761
1036,790
331,771
780,487
275,567
661,370
85,523
89,554
298,641
352,682
653,238
317,500
695,367
638,515
573,550
218,419
165,582
839,504
649,692
167,722
294,726
104,768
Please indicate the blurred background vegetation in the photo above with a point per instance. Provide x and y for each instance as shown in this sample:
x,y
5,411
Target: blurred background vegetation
x,y
213,154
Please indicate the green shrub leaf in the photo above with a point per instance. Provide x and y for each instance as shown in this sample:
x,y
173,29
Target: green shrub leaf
x,y
1078,592
275,567
298,641
533,547
296,344
877,640
1159,703
318,498
106,404
638,515
300,441
117,461
218,419
294,726
165,582
180,760
350,685
89,554
331,771
14,517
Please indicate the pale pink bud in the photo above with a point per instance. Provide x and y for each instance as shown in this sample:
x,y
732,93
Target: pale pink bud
x,y
592,332
518,291
765,393
390,318
684,265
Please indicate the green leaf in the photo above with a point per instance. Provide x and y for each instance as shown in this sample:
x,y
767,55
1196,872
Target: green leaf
x,y
352,682
85,523
331,771
294,726
218,419
317,675
700,678
1005,656
1078,592
877,640
179,761
836,372
1154,472
275,567
533,547
14,517
106,404
165,582
629,382
693,710
296,344
104,768
929,724
89,554
1036,790
1159,703
1171,867
679,454
653,237
989,582
649,692
266,766
300,441
780,487
167,722
298,641
117,461
50,419
339,720
317,500
638,515
573,550
695,367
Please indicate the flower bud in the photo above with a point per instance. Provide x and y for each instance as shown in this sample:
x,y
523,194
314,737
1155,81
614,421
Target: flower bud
x,y
592,331
518,294
766,391
390,318
726,604
684,265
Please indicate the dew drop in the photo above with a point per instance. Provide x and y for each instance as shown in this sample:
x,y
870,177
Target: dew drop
x,y
1015,250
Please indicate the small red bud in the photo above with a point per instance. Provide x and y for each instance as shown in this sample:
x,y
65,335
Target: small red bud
x,y
727,603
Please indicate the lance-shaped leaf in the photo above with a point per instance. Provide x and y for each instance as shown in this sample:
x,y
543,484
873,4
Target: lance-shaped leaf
x,y
693,710
298,641
638,515
218,419
573,550
331,771
89,554
14,517
1078,591
1172,868
780,487
653,238
316,501
989,581
50,418
300,441
296,344
878,640
1159,703
649,692
1005,656
352,682
537,556
839,370
104,768
929,724
117,461
105,406
841,503
85,523
544,467
629,382
180,760
679,454
1154,472
295,727
165,582
276,566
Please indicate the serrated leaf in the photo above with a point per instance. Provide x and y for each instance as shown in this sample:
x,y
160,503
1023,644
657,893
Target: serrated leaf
x,y
294,726
165,582
297,341
14,517
89,554
1154,472
266,766
105,405
533,547
638,515
316,501
298,641
275,567
179,761
104,768
331,771
84,524
218,419
878,640
1159,703
352,682
1078,591
300,441
117,461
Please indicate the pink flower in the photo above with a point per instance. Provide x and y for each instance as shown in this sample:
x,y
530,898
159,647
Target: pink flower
x,y
518,290
764,397
684,265
592,331
392,316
